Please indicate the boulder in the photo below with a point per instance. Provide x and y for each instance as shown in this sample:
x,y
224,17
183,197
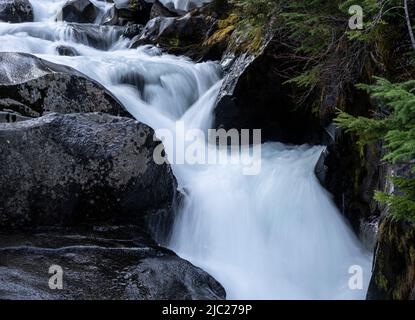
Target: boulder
x,y
132,30
48,87
253,96
101,262
63,50
66,169
176,35
159,10
80,11
183,6
99,37
16,11
128,12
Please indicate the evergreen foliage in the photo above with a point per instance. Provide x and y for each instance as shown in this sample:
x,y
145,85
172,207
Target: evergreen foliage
x,y
397,129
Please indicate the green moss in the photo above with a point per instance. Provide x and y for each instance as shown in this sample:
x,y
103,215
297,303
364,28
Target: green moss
x,y
173,42
250,39
396,294
231,20
225,28
381,281
237,34
412,254
219,36
133,5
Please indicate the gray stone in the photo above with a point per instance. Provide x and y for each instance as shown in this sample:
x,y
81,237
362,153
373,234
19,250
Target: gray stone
x,y
16,11
130,12
104,262
75,168
48,87
17,107
63,50
81,11
7,117
159,10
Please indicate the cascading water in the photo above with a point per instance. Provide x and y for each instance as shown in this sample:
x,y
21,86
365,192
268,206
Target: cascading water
x,y
273,235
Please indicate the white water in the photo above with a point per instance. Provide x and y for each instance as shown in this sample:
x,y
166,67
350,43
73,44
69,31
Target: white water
x,y
274,235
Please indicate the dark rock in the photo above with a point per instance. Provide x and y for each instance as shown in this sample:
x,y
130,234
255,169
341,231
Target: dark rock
x,y
321,169
393,276
99,37
17,107
67,169
181,35
132,30
47,87
159,10
80,11
66,51
104,262
353,180
110,17
369,228
7,117
16,11
183,10
133,12
253,96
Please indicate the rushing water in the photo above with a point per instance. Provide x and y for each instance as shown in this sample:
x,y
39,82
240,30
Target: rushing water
x,y
273,235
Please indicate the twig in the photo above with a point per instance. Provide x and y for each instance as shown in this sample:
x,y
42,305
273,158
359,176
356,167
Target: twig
x,y
408,23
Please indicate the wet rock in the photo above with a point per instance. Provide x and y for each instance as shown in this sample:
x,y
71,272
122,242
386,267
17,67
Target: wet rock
x,y
47,87
7,117
393,276
81,11
253,96
65,169
159,10
321,169
128,12
353,180
104,262
180,35
17,107
99,37
16,11
182,7
66,51
132,30
153,273
369,229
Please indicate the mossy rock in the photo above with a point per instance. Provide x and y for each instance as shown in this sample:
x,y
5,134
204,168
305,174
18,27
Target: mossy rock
x,y
394,269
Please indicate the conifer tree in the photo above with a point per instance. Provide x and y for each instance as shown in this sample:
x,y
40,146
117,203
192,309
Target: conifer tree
x,y
397,129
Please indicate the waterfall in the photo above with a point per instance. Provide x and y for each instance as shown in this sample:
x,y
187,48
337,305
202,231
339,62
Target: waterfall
x,y
275,235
